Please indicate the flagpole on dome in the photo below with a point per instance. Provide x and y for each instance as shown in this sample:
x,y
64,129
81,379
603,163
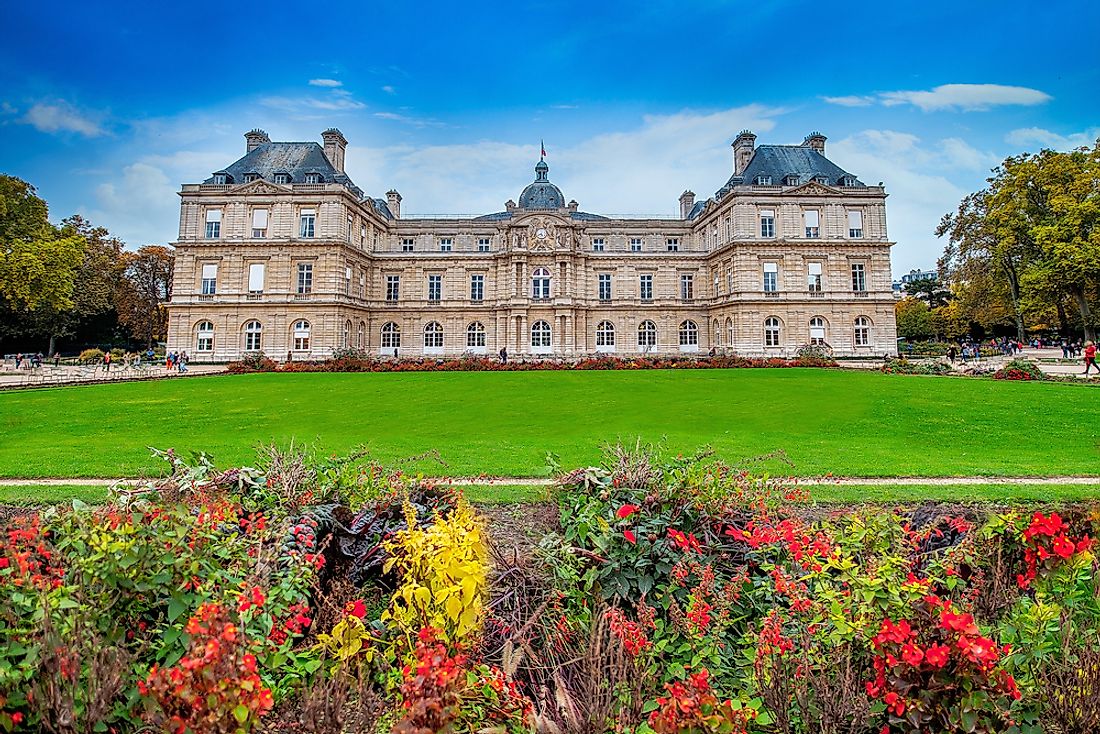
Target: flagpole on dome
x,y
542,147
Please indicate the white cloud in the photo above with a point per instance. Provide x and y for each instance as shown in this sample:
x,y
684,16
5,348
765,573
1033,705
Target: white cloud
x,y
966,97
1038,137
136,205
957,153
325,83
336,103
60,116
563,106
410,119
389,89
852,100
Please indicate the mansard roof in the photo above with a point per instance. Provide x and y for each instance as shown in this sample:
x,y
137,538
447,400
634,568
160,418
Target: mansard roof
x,y
294,159
779,161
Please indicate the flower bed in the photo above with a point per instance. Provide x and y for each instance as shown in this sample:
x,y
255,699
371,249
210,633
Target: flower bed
x,y
675,595
1019,369
905,367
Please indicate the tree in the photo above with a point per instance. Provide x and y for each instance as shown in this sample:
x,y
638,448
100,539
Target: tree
x,y
913,318
144,291
930,290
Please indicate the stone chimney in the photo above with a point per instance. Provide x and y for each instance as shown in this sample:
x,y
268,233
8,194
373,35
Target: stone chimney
x,y
335,144
687,203
393,201
816,141
254,139
743,148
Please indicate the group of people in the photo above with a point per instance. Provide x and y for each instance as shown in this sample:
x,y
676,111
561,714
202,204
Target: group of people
x,y
32,361
1072,349
176,360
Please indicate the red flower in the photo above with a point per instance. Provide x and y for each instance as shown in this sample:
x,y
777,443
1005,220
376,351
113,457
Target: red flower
x,y
4,562
912,654
356,609
626,511
630,537
937,655
1064,547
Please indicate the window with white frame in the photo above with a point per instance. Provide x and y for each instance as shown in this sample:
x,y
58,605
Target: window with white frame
x,y
812,219
863,331
729,331
817,330
855,223
483,244
689,334
259,224
672,244
645,286
475,335
252,334
647,335
540,283
209,279
771,277
301,335
362,235
771,332
763,181
597,244
477,287
687,286
821,179
347,281
213,224
220,179
391,335
305,278
435,287
407,244
847,181
433,335
256,278
205,340
540,335
362,291
307,223
313,178
859,277
347,334
282,178
361,342
351,227
717,332
729,280
791,180
603,282
813,277
605,334
767,223
393,287
635,244
446,244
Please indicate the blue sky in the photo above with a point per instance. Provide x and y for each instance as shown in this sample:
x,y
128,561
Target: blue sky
x,y
108,107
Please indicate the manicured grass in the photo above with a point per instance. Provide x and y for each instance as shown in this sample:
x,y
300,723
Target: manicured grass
x,y
50,494
848,423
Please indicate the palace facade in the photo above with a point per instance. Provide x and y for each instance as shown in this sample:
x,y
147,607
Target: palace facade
x,y
282,253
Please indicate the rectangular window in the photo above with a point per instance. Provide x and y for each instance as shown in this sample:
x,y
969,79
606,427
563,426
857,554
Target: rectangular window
x,y
813,223
477,287
313,178
767,223
209,279
362,235
597,244
859,277
393,287
813,277
347,281
259,223
308,223
256,278
305,278
771,277
604,282
446,244
213,224
483,244
219,179
645,286
687,287
435,287
672,244
855,224
407,244
635,244
729,280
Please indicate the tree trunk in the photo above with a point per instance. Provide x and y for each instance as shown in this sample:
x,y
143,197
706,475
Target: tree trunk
x,y
1014,291
1078,294
1063,320
49,352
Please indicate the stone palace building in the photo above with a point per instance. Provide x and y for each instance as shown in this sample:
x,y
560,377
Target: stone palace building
x,y
282,253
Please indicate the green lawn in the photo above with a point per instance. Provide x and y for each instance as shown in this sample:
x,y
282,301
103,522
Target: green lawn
x,y
844,422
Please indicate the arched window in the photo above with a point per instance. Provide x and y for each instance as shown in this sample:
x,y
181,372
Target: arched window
x,y
205,341
540,335
252,333
689,334
817,330
647,335
540,283
433,335
717,333
771,332
362,342
605,334
391,335
301,335
347,334
475,336
863,331
729,331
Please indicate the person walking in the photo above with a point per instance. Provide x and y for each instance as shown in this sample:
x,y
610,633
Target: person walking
x,y
168,360
1090,357
951,353
107,360
504,355
57,359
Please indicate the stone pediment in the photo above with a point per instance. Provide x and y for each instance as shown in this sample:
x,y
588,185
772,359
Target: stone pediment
x,y
260,186
813,188
542,233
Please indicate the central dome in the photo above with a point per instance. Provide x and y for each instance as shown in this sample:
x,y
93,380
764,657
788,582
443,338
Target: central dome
x,y
541,194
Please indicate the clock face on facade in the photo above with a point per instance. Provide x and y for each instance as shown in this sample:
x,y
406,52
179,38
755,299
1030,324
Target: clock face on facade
x,y
540,233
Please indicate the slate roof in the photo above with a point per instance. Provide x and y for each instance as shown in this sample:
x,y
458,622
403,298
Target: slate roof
x,y
541,194
295,159
780,161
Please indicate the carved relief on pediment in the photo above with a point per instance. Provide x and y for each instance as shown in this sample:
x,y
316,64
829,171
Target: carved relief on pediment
x,y
542,234
258,187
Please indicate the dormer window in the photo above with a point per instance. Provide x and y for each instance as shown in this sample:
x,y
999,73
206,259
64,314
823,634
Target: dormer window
x,y
821,179
313,178
250,177
847,181
790,181
763,181
219,179
282,178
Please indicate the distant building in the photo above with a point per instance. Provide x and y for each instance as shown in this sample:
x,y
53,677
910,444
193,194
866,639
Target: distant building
x,y
911,276
281,252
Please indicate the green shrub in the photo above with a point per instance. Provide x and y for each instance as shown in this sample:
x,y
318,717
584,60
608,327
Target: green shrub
x,y
91,356
1019,369
903,366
